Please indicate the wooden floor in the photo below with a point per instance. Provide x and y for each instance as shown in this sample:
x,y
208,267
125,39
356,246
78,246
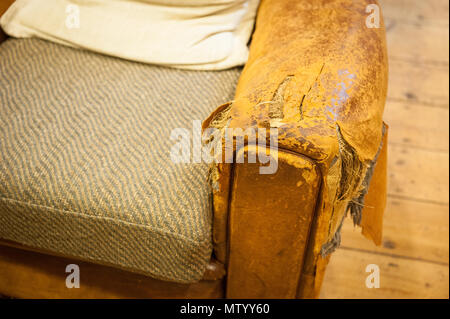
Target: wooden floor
x,y
414,259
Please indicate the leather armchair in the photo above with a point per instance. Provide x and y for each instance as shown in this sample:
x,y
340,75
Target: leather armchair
x,y
318,76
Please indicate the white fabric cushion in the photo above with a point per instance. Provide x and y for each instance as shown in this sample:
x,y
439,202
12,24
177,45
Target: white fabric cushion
x,y
192,34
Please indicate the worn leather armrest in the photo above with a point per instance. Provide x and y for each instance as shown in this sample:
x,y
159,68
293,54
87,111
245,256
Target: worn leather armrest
x,y
315,68
317,72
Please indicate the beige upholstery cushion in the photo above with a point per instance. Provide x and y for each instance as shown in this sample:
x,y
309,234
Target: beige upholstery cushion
x,y
85,167
192,34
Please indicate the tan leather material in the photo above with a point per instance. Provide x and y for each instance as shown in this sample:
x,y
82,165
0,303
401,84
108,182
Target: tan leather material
x,y
310,284
318,74
29,274
269,221
375,200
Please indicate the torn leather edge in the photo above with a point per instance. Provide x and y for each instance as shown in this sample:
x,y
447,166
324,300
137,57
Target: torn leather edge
x,y
350,185
315,262
219,179
355,207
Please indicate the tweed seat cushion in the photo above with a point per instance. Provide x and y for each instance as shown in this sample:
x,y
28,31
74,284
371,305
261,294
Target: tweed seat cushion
x,y
85,167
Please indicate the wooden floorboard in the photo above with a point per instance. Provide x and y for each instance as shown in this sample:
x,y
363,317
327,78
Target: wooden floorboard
x,y
413,32
413,257
418,83
399,277
421,11
414,125
418,174
411,229
429,43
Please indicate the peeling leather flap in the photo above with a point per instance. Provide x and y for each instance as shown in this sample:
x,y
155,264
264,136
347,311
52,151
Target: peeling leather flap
x,y
367,207
375,200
